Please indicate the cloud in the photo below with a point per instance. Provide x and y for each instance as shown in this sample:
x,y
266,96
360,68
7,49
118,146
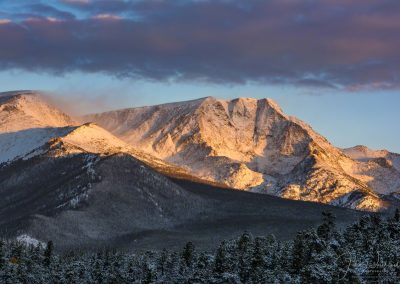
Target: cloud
x,y
4,21
322,44
79,2
107,17
49,11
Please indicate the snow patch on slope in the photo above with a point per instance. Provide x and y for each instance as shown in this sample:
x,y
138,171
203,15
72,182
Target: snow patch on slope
x,y
30,241
14,145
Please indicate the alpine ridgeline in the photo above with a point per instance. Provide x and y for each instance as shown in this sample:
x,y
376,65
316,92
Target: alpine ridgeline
x,y
250,144
58,178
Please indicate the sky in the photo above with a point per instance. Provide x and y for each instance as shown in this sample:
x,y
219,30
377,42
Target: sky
x,y
334,64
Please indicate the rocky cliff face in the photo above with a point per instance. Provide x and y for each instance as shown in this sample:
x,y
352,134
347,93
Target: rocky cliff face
x,y
246,144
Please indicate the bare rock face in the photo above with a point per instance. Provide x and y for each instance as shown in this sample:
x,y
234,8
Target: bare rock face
x,y
248,144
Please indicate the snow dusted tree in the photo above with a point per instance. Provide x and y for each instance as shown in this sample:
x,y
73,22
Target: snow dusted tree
x,y
172,267
320,255
202,270
162,262
258,265
221,263
2,255
188,254
48,253
327,230
149,275
300,253
245,253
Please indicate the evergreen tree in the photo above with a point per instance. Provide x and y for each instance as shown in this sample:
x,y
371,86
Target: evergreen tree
x,y
202,270
258,263
2,255
298,253
221,259
172,267
48,253
161,262
149,274
244,241
245,254
327,229
188,254
321,255
397,215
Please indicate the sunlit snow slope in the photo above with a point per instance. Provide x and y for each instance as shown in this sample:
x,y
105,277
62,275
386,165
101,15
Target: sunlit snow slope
x,y
248,144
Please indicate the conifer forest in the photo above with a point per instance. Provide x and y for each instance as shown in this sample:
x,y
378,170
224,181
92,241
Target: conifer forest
x,y
366,252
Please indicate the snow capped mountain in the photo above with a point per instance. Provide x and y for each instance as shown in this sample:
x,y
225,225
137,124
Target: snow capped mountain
x,y
79,185
252,145
29,125
378,168
27,121
22,110
364,154
246,144
50,167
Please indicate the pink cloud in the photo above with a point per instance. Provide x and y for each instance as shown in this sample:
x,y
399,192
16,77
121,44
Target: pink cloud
x,y
334,42
77,1
4,21
107,17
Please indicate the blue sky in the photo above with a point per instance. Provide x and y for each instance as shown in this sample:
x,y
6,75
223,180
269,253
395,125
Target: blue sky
x,y
346,118
334,64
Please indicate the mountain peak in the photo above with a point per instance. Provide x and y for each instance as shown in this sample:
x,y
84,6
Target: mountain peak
x,y
18,92
249,144
21,110
360,152
243,143
273,104
12,95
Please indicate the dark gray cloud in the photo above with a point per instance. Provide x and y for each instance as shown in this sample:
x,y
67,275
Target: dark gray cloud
x,y
353,44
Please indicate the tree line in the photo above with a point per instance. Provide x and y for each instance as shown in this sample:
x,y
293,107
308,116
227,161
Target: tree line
x,y
366,252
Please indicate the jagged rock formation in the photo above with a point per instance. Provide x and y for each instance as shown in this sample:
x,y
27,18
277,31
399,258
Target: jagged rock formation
x,y
246,144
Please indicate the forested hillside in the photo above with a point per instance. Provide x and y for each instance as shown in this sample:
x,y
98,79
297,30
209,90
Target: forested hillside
x,y
367,251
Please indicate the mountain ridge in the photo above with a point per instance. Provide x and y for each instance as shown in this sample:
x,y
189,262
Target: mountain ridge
x,y
245,143
81,186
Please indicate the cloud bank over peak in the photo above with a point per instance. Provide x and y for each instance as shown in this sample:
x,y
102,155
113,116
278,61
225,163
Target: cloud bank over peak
x,y
323,44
